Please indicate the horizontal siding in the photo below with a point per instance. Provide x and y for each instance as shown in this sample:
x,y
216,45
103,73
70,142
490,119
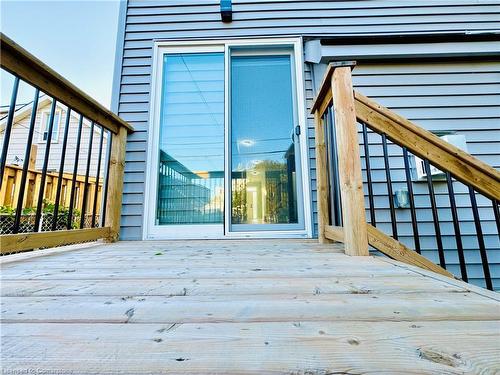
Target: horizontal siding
x,y
180,19
147,20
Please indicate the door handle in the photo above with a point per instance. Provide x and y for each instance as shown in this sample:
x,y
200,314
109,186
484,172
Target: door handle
x,y
295,132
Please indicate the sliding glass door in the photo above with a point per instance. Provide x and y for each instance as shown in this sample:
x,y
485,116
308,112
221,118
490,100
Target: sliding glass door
x,y
264,148
190,169
225,156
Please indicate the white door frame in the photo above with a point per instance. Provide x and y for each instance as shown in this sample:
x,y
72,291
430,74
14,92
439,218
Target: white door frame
x,y
153,231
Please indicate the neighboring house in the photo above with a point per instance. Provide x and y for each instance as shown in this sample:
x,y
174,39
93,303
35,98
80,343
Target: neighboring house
x,y
233,99
17,148
19,136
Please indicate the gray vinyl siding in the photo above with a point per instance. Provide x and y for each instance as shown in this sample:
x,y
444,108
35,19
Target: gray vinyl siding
x,y
149,20
462,97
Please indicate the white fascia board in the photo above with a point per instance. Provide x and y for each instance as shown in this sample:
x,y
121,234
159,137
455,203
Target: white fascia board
x,y
317,53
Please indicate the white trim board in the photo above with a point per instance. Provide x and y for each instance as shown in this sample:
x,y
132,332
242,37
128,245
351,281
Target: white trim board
x,y
315,52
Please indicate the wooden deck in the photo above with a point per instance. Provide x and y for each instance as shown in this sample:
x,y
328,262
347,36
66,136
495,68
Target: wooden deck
x,y
239,307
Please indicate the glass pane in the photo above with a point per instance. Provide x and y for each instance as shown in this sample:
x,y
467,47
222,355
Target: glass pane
x,y
191,159
263,175
55,127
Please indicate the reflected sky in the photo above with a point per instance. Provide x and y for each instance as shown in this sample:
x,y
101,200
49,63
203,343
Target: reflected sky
x,y
192,119
261,109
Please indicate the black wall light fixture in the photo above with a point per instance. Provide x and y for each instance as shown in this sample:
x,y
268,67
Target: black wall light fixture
x,y
226,10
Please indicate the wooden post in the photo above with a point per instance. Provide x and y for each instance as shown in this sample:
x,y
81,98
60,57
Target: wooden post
x,y
321,177
33,153
38,183
351,183
30,183
115,187
17,187
7,187
3,189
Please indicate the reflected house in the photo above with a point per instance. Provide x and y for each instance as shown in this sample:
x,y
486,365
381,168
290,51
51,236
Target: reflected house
x,y
262,193
265,192
186,196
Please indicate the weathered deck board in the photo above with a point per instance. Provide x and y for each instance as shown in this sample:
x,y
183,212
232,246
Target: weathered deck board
x,y
235,286
248,308
264,270
239,307
292,348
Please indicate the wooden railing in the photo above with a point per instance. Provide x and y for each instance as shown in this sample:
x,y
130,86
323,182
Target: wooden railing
x,y
341,197
104,219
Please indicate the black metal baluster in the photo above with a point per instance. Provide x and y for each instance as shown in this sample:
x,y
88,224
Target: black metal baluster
x,y
435,216
456,226
480,239
162,183
26,163
106,179
98,173
61,169
167,191
497,215
411,196
39,205
369,175
193,201
327,128
165,194
75,172
8,128
168,195
336,198
87,172
331,167
389,188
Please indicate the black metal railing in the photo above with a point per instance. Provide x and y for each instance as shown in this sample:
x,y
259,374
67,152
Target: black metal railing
x,y
440,214
54,190
48,203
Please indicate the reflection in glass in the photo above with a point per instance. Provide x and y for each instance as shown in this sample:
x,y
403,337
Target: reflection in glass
x,y
191,155
263,171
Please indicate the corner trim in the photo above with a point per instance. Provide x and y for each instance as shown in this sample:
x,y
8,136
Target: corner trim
x,y
120,42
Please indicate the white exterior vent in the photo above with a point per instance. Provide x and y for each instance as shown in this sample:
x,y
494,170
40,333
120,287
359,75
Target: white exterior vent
x,y
438,175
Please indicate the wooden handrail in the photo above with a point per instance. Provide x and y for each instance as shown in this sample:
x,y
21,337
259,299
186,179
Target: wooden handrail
x,y
390,247
351,107
23,64
324,97
422,143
